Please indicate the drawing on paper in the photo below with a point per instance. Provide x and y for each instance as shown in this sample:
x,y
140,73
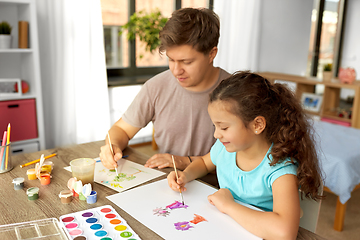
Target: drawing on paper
x,y
161,212
177,204
164,212
121,177
130,175
198,219
183,225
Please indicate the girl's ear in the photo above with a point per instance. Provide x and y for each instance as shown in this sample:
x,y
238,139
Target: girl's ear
x,y
259,124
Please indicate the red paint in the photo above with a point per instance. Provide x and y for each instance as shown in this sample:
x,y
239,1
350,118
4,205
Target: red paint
x,y
68,219
105,210
110,215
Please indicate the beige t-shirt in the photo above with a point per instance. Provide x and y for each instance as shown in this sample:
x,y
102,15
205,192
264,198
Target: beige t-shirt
x,y
181,121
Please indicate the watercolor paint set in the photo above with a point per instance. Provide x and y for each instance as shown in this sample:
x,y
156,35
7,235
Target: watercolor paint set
x,y
101,223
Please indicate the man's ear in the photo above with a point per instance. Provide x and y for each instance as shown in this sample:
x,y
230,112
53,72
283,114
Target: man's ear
x,y
259,124
212,54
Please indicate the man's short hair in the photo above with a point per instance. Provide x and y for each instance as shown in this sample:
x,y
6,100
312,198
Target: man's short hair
x,y
198,27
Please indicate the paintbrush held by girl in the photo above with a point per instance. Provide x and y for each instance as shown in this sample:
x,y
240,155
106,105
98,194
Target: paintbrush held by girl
x,y
263,156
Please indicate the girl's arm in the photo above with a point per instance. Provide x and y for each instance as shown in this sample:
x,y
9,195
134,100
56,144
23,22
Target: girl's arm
x,y
282,223
198,168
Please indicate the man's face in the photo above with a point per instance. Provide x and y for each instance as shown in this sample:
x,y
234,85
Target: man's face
x,y
189,66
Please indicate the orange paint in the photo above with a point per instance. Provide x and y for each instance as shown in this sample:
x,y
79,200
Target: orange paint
x,y
198,219
45,179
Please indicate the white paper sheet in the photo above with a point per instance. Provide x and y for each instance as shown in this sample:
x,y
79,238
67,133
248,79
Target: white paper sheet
x,y
141,202
130,175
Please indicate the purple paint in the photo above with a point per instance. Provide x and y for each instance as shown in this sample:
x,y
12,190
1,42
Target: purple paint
x,y
182,226
177,205
87,214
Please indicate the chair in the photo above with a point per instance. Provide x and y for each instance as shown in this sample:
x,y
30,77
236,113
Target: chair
x,y
310,212
153,143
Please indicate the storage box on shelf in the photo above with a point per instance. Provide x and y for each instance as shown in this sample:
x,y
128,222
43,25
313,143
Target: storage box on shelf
x,y
331,96
25,113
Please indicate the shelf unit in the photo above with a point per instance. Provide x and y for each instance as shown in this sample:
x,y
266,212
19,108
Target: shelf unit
x,y
331,96
24,64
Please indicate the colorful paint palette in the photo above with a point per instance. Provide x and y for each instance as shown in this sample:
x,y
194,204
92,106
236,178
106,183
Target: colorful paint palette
x,y
101,223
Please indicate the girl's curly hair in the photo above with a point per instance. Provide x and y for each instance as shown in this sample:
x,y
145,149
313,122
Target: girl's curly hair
x,y
287,125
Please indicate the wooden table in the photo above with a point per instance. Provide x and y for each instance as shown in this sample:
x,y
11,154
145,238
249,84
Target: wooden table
x,y
15,207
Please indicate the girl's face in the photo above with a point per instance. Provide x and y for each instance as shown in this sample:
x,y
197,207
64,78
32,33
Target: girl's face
x,y
229,128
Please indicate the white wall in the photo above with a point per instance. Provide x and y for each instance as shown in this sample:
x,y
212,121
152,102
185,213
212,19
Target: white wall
x,y
350,56
285,34
120,98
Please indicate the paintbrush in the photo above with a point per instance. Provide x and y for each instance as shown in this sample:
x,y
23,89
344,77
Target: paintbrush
x,y
112,151
177,178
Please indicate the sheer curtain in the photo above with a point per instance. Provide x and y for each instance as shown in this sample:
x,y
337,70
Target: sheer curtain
x,y
239,34
73,71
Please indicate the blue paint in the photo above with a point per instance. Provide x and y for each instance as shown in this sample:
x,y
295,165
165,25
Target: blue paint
x,y
91,220
101,233
96,226
92,198
125,156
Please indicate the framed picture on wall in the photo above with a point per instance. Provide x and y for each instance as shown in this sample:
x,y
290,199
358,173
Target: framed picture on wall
x,y
311,102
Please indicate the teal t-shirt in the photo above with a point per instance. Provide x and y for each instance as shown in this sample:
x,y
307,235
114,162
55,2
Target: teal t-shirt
x,y
252,187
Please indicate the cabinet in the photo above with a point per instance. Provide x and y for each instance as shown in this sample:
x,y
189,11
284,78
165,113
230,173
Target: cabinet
x,y
27,121
331,95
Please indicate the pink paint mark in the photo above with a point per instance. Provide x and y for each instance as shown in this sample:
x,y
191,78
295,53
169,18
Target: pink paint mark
x,y
161,212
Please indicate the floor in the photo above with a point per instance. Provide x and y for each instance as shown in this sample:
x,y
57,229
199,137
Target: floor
x,y
327,212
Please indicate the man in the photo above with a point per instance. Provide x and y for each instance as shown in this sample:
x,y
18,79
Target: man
x,y
175,100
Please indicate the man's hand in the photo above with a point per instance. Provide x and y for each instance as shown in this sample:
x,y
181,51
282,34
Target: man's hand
x,y
163,160
107,158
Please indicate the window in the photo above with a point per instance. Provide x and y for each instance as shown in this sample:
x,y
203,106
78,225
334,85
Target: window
x,y
326,36
124,65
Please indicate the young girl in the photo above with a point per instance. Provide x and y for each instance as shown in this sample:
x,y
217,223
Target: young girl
x,y
263,155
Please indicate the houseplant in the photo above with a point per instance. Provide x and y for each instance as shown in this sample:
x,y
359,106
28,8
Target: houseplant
x,y
5,37
327,72
147,26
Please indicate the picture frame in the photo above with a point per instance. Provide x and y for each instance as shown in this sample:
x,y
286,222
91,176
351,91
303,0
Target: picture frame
x,y
7,87
311,102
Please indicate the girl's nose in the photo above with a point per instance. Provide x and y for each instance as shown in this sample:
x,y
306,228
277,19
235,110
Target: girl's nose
x,y
217,135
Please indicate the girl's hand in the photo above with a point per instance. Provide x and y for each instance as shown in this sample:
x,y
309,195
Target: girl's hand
x,y
221,199
177,184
